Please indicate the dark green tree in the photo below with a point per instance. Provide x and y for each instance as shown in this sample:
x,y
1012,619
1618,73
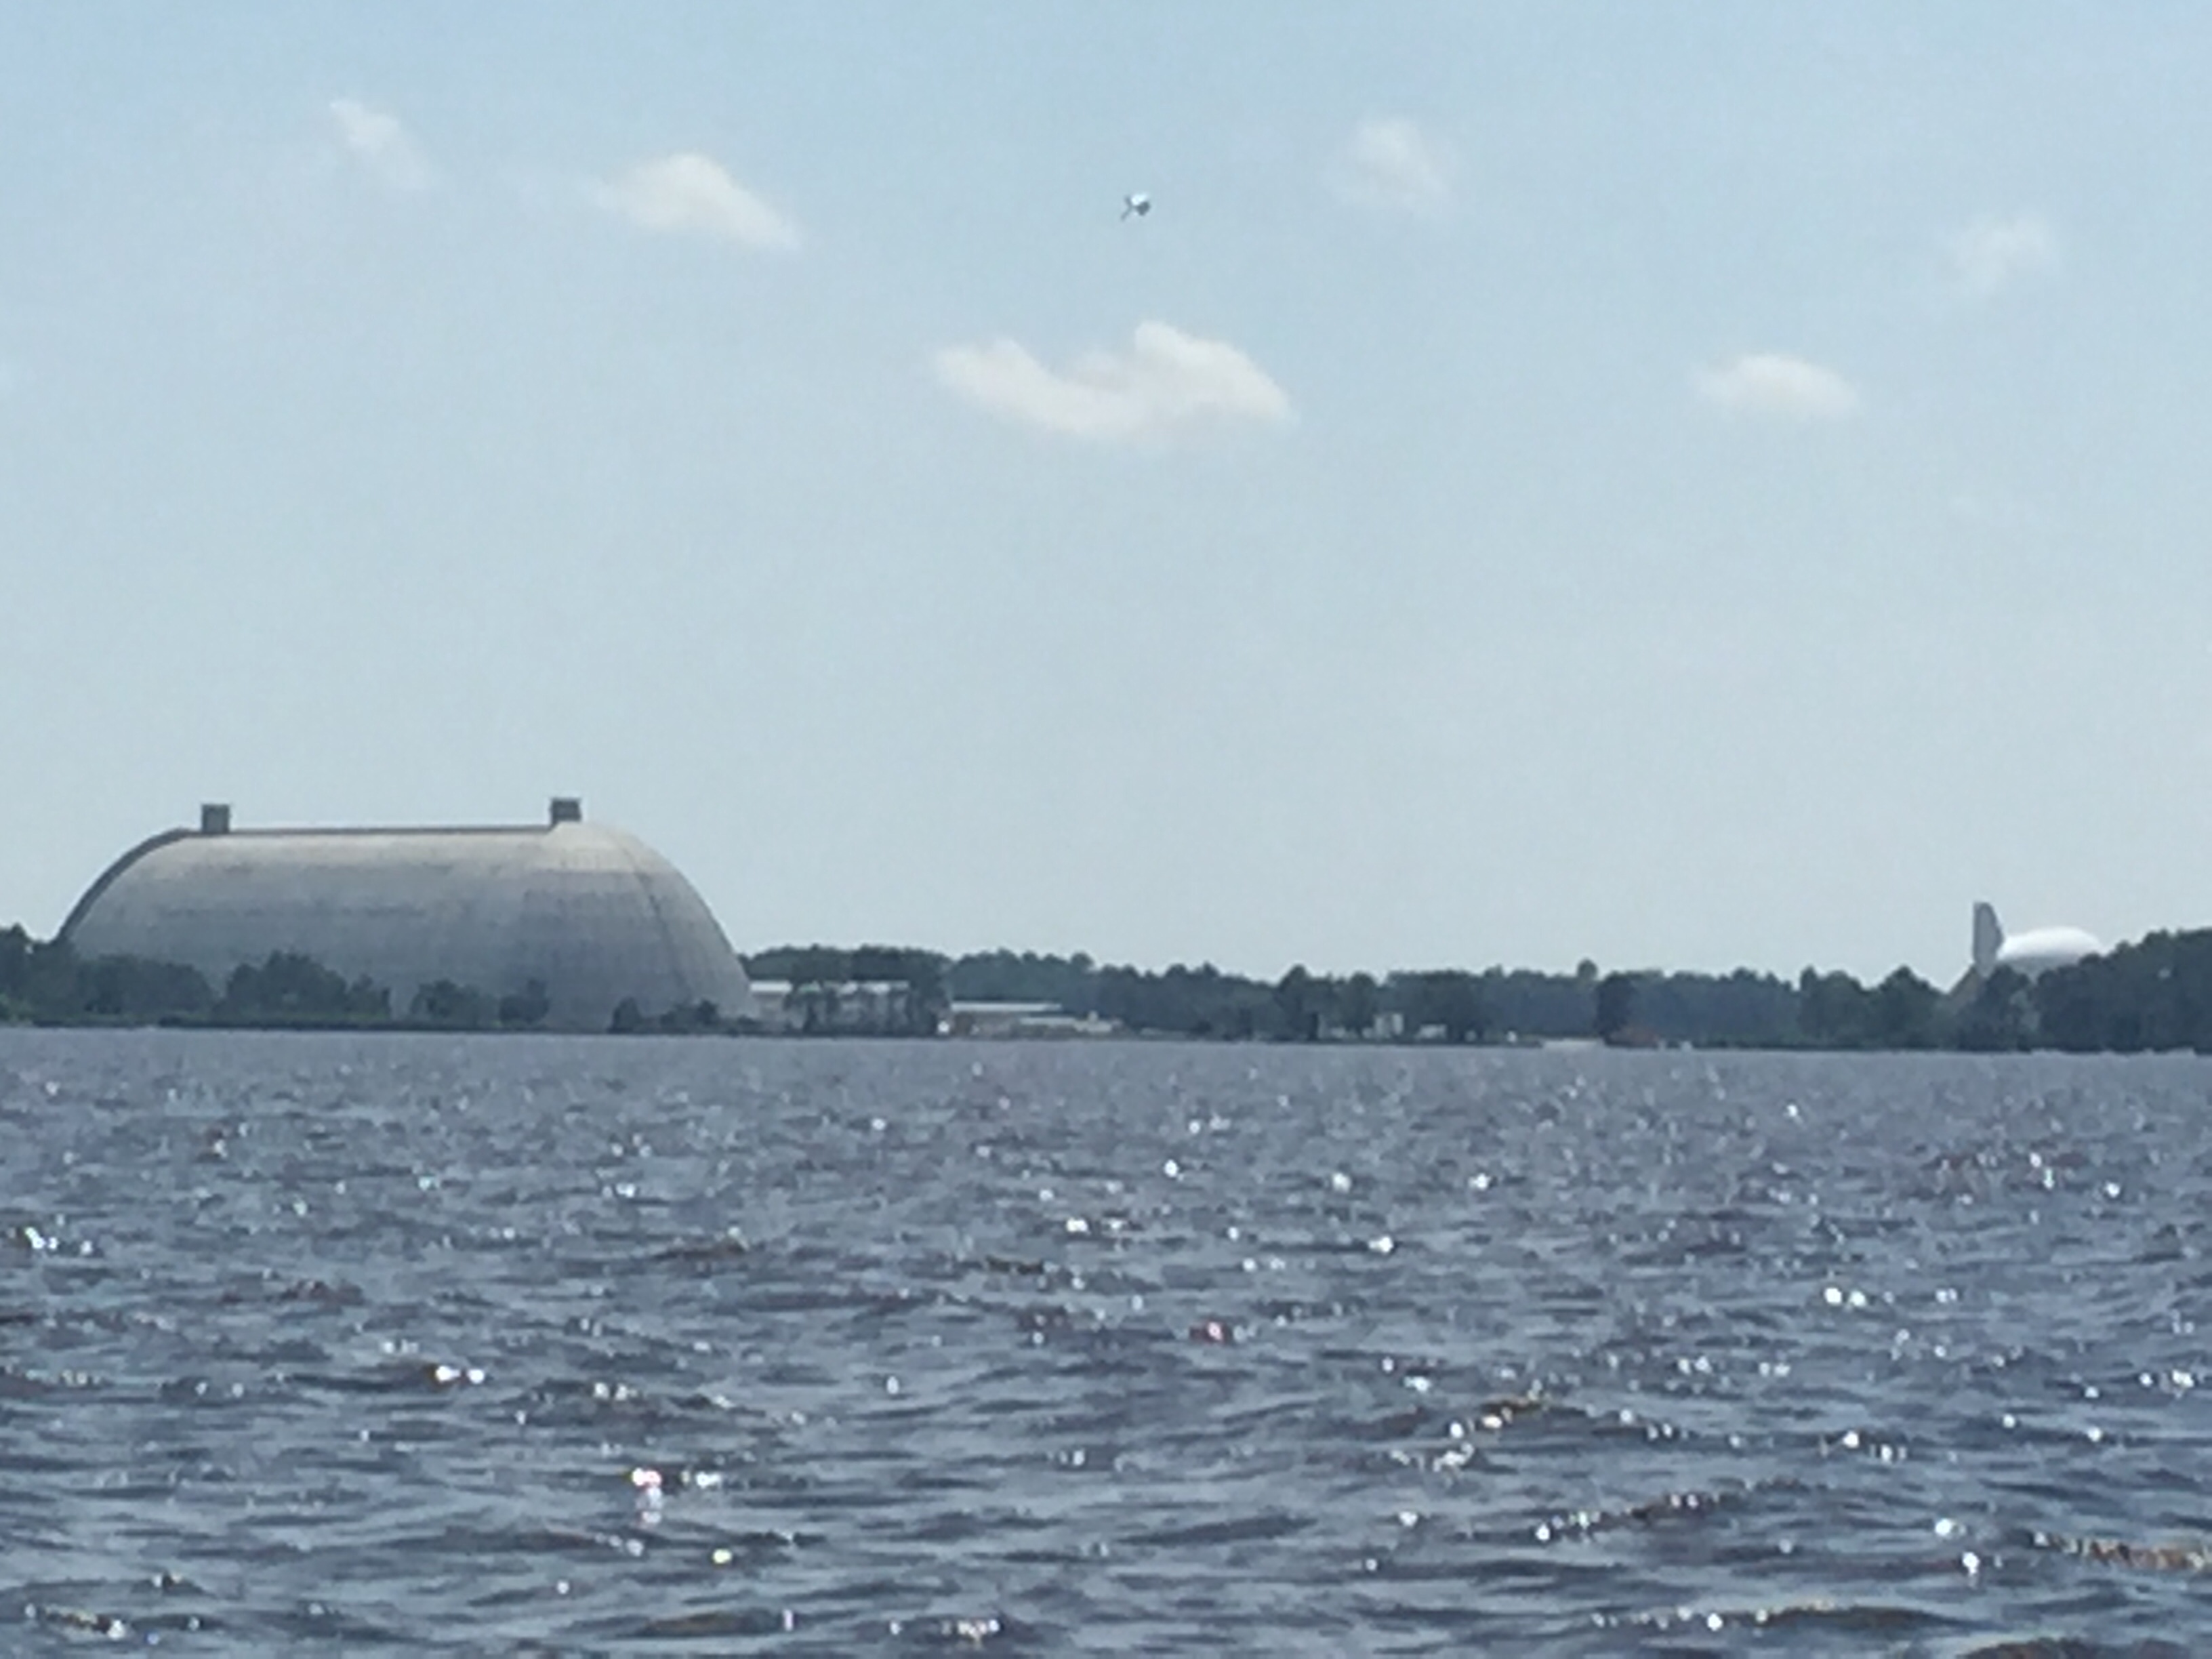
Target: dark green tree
x,y
813,965
1905,1007
135,990
527,1008
1358,1002
2001,1018
2155,994
1615,1006
1300,1002
456,1007
1447,1000
1069,982
289,989
1834,1011
15,948
40,980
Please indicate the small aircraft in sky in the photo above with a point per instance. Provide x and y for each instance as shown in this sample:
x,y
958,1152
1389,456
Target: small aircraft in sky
x,y
1137,203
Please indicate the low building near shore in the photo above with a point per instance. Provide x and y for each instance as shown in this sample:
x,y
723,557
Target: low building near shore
x,y
858,1007
1009,1021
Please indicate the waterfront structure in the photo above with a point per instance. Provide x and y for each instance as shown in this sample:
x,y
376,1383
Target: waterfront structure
x,y
1023,1019
853,1007
581,917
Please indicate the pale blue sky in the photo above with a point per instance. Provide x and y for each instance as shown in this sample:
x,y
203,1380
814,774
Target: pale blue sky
x,y
1683,486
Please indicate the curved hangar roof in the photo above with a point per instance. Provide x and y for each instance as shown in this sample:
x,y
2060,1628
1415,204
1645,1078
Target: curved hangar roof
x,y
594,914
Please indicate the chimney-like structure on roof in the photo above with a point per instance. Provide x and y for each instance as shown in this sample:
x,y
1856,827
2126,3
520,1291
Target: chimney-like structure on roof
x,y
566,809
215,817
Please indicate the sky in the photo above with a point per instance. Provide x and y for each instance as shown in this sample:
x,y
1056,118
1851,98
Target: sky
x,y
1686,487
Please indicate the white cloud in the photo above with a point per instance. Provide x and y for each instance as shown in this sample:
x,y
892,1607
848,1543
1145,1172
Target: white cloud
x,y
1167,379
1774,386
377,139
1389,163
689,191
1990,253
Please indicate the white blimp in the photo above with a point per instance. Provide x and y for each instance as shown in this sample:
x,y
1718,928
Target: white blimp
x,y
2035,951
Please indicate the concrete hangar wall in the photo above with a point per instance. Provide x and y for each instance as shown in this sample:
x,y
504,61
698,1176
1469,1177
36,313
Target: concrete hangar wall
x,y
592,913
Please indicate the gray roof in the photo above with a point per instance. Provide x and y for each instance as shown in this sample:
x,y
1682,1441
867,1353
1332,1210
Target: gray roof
x,y
594,914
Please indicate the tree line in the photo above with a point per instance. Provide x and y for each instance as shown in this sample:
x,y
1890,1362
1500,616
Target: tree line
x,y
1441,1005
2153,995
46,982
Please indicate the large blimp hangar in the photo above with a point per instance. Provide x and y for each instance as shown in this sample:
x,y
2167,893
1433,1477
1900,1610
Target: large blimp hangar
x,y
588,913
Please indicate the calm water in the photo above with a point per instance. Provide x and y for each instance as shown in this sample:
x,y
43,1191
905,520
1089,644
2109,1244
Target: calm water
x,y
603,1346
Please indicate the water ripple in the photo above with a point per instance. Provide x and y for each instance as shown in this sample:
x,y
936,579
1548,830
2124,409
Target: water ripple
x,y
417,1343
